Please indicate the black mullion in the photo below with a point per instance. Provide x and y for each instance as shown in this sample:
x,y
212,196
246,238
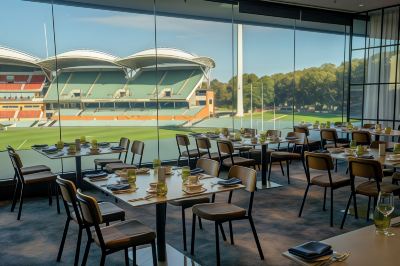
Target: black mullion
x,y
397,67
344,67
349,74
379,67
372,47
373,83
364,76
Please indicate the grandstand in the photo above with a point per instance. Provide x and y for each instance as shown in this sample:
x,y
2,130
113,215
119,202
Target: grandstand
x,y
95,86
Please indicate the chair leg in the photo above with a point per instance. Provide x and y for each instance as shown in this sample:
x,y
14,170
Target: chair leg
x,y
283,173
217,244
57,197
184,229
50,194
355,206
154,252
134,255
103,258
324,205
369,206
287,172
331,207
78,246
60,250
200,223
89,242
14,202
336,165
231,233
21,201
253,228
193,234
346,210
177,162
126,257
222,232
95,167
304,200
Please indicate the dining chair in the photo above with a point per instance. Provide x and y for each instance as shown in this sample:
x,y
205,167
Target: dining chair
x,y
124,143
368,126
137,150
183,143
25,170
210,167
361,137
322,162
222,212
372,171
203,144
109,213
330,139
25,180
225,148
285,156
311,144
116,237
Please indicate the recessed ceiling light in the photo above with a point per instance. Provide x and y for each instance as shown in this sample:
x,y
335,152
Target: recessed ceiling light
x,y
361,5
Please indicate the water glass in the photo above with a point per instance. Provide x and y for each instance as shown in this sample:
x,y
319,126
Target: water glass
x,y
384,208
185,174
353,144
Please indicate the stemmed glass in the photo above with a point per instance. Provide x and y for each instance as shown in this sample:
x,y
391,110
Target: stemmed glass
x,y
384,208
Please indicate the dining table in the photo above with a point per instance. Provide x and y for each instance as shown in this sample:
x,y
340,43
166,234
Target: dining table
x,y
366,247
85,150
142,196
390,159
377,134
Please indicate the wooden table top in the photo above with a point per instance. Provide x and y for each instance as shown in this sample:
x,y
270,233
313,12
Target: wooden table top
x,y
367,248
85,151
174,184
386,160
393,133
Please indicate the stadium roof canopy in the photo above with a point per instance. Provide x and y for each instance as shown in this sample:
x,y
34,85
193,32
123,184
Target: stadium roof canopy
x,y
147,58
13,57
79,58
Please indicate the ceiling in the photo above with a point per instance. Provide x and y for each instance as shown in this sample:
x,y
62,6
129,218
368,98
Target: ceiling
x,y
353,6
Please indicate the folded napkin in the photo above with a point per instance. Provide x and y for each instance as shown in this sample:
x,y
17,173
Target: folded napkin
x,y
321,151
37,146
117,148
365,157
196,171
142,171
311,250
116,187
291,138
230,182
103,144
96,175
50,149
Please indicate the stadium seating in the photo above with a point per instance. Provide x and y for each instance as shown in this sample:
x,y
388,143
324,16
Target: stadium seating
x,y
7,114
81,81
29,114
143,84
36,83
11,86
107,84
52,91
21,78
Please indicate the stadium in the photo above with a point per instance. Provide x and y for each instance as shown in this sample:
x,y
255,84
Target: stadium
x,y
102,89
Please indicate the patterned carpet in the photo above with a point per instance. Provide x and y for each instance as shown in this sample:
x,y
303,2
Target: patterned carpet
x,y
35,239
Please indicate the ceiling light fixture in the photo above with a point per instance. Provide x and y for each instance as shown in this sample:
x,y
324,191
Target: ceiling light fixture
x,y
361,5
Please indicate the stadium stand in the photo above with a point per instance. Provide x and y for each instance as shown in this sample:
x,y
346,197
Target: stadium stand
x,y
78,84
29,114
7,114
107,85
143,84
35,83
62,79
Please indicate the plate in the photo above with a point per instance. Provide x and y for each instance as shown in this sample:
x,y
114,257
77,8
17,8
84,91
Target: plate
x,y
151,191
195,191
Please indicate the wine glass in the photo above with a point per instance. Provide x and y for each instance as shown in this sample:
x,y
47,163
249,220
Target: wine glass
x,y
384,208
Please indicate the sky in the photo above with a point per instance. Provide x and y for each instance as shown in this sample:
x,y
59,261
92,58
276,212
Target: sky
x,y
266,50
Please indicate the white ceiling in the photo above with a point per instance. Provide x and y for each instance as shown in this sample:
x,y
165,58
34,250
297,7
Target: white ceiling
x,y
342,5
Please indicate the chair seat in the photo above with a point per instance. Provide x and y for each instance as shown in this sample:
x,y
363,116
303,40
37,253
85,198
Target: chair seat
x,y
284,155
112,167
219,211
238,161
193,153
243,148
369,189
40,177
104,162
338,145
34,169
189,202
337,181
214,156
256,155
125,234
396,176
109,211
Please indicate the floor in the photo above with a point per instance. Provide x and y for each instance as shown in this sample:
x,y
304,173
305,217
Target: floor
x,y
35,239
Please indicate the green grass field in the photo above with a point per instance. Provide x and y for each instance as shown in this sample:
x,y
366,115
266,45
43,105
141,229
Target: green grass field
x,y
287,116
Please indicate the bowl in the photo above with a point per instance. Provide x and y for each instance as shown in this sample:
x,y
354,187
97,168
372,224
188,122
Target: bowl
x,y
194,187
153,185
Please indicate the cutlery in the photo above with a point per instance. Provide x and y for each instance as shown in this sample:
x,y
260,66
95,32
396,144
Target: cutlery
x,y
337,257
142,198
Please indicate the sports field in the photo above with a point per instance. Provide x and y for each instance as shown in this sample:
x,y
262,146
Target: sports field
x,y
24,138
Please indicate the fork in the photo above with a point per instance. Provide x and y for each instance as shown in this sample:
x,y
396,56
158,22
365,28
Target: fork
x,y
142,198
338,257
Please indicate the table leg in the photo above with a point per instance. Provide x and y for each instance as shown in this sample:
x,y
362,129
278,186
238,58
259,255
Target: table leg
x,y
160,219
78,167
264,165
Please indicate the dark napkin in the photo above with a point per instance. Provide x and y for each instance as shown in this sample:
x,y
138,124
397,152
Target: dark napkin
x,y
116,187
321,151
230,182
117,148
50,149
311,250
38,146
366,157
196,171
96,175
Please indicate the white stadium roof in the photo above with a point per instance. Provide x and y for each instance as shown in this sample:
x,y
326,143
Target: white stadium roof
x,y
78,58
164,56
10,56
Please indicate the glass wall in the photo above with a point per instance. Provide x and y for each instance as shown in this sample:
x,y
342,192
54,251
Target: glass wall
x,y
375,71
149,71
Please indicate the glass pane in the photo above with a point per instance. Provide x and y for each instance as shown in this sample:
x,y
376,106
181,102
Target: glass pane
x,y
390,26
388,64
357,67
356,95
358,40
197,86
103,94
374,28
372,65
386,101
23,115
370,102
